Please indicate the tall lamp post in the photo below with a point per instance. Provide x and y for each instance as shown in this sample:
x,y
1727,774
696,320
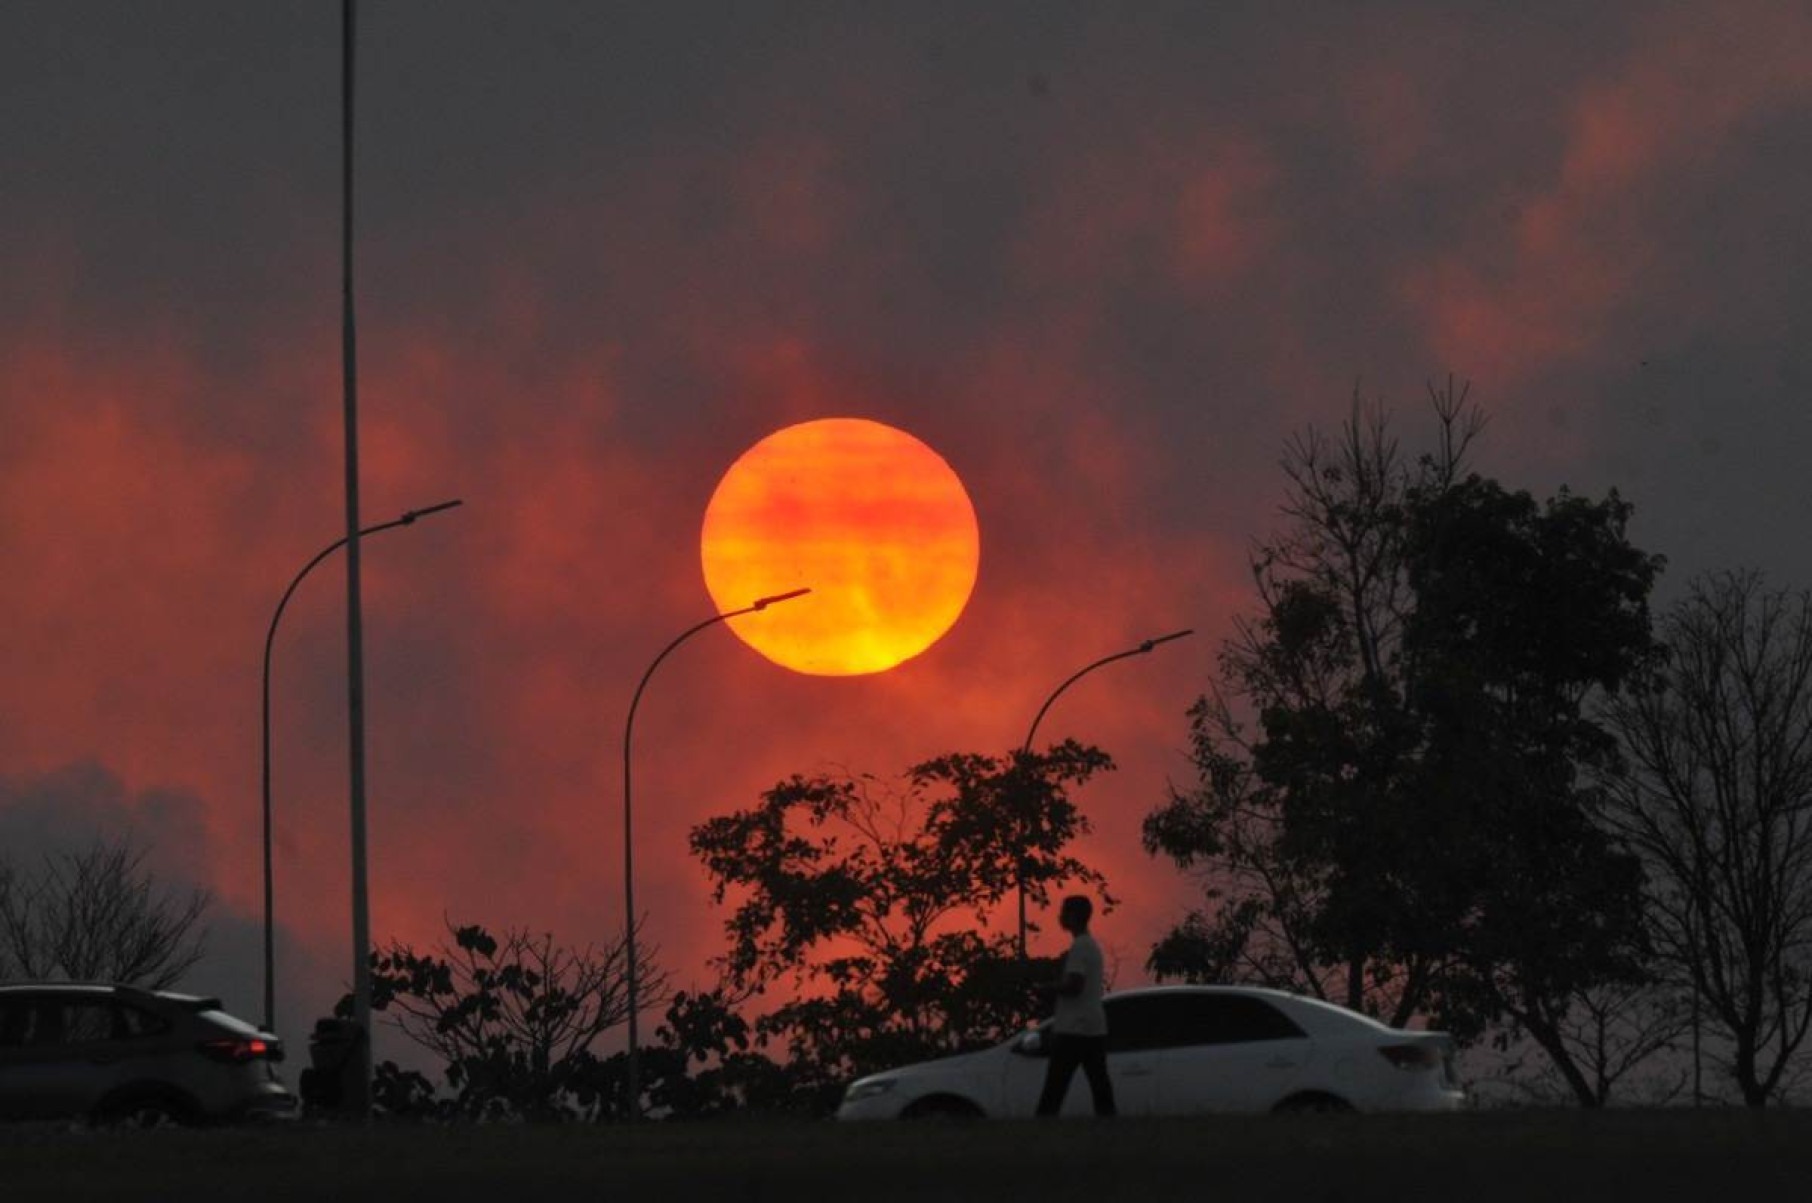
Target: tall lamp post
x,y
270,638
1025,750
355,618
635,1076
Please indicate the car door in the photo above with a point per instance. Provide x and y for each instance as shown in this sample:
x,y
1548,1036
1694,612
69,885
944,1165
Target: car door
x,y
18,1016
1131,1067
99,1051
75,1066
1134,1040
1228,1052
40,1078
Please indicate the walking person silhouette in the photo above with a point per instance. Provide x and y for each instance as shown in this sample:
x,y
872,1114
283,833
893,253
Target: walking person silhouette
x,y
1079,1026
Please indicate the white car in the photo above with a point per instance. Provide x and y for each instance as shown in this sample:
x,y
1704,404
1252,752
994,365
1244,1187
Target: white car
x,y
1185,1050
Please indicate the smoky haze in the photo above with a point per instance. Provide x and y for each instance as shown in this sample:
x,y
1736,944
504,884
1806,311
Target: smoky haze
x,y
1102,259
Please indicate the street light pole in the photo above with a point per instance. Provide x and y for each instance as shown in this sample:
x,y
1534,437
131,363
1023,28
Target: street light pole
x,y
1025,750
355,626
635,1077
270,638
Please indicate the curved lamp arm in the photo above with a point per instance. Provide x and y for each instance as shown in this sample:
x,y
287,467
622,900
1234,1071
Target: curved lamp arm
x,y
628,827
1143,649
270,638
1025,749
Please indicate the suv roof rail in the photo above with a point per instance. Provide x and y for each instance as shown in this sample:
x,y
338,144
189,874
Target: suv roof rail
x,y
193,1002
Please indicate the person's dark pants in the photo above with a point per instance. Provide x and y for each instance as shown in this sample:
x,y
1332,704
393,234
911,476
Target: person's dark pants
x,y
1067,1052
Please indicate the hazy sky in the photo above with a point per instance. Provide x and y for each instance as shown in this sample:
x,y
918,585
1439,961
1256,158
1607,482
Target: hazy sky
x,y
1105,258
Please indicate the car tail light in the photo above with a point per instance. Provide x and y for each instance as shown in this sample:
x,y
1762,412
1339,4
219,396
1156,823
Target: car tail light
x,y
1411,1056
240,1049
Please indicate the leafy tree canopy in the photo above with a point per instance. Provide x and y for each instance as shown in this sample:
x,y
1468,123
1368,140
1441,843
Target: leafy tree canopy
x,y
513,1020
874,902
1390,810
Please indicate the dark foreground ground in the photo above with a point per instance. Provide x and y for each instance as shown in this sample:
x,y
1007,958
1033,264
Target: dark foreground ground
x,y
1720,1156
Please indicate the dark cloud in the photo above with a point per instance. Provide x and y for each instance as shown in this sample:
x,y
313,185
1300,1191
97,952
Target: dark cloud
x,y
66,810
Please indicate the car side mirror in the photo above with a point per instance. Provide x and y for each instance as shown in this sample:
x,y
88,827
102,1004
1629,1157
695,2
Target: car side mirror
x,y
1030,1044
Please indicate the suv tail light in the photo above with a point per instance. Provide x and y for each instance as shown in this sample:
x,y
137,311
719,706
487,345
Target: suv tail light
x,y
237,1050
1411,1056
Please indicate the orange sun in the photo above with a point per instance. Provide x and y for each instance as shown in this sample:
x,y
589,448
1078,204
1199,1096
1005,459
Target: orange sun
x,y
868,518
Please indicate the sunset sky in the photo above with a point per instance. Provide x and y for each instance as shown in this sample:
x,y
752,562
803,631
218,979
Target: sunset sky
x,y
1102,258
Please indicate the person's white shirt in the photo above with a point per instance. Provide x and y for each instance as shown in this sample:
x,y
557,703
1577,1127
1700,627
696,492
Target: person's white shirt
x,y
1081,1014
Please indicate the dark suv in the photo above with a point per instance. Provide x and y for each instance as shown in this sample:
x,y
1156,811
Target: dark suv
x,y
123,1055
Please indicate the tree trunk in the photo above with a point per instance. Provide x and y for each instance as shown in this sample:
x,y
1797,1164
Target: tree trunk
x,y
1547,1036
1755,1091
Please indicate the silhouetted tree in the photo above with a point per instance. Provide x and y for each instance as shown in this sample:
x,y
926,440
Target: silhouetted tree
x,y
1720,807
872,903
1407,830
1525,615
1289,824
98,915
512,1021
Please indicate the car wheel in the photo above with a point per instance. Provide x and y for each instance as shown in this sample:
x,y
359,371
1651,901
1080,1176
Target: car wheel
x,y
1313,1104
143,1111
942,1107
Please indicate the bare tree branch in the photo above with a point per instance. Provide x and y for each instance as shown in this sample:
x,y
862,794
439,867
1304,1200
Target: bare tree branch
x,y
1720,807
98,915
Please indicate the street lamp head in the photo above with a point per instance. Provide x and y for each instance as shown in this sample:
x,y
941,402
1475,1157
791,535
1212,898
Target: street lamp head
x,y
765,602
409,516
1151,643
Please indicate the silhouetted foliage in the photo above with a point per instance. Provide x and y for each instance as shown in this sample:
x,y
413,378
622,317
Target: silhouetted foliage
x,y
1297,831
1407,831
512,1021
1526,613
98,915
871,903
704,1063
1720,808
406,1093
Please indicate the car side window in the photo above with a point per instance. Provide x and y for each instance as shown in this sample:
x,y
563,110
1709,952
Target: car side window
x,y
132,1023
1141,1024
1236,1019
31,1023
15,1022
87,1022
1186,1020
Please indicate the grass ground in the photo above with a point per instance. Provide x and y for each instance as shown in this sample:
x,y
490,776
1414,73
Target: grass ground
x,y
1722,1156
